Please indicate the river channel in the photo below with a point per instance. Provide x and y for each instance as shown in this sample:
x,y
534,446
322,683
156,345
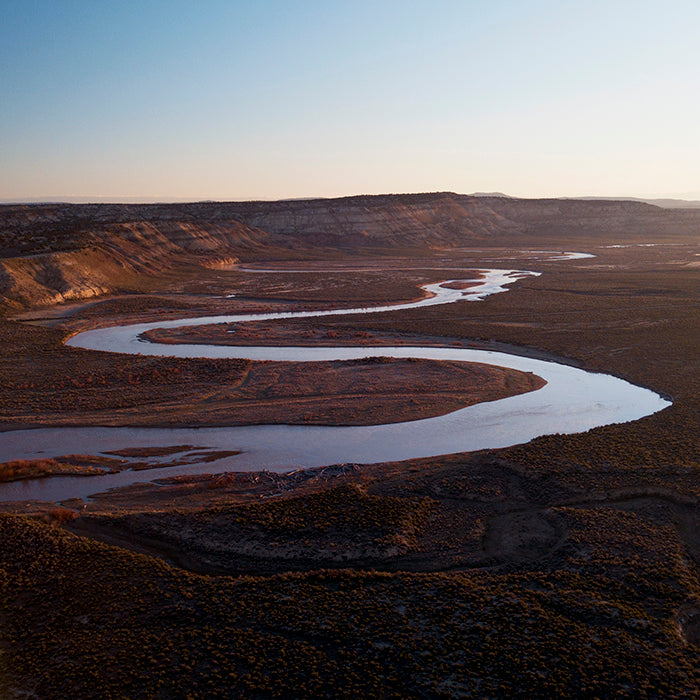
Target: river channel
x,y
573,400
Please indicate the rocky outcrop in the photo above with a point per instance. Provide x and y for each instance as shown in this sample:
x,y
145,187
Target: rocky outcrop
x,y
111,255
52,278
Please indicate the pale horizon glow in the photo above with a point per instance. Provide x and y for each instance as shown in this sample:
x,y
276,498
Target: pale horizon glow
x,y
273,100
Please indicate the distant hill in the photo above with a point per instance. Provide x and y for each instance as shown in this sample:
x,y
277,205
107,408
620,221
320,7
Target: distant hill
x,y
675,203
489,194
666,203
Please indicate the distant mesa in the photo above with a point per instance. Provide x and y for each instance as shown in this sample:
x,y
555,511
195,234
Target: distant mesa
x,y
490,194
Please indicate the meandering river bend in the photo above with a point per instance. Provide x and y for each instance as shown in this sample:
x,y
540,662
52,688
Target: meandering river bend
x,y
573,400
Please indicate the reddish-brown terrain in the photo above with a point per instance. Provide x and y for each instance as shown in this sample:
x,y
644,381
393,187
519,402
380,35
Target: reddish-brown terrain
x,y
568,566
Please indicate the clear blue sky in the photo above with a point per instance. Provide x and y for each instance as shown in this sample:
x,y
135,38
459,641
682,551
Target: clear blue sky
x,y
240,100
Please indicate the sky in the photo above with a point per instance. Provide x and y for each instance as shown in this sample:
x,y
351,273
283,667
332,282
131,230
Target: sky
x,y
233,100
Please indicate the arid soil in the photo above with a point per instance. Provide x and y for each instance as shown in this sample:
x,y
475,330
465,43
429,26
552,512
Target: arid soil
x,y
565,567
46,383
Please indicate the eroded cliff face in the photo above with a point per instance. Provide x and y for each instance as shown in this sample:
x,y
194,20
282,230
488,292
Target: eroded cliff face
x,y
52,278
111,255
440,220
448,220
56,252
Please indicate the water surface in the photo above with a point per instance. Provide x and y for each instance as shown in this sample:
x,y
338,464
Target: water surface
x,y
572,400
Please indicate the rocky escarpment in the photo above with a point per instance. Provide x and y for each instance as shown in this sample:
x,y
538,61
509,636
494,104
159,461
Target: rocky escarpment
x,y
51,278
56,252
440,220
95,259
448,220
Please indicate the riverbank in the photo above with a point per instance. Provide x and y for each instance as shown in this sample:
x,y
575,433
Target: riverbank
x,y
565,566
46,384
570,400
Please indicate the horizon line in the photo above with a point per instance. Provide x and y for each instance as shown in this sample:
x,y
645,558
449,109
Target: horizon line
x,y
689,197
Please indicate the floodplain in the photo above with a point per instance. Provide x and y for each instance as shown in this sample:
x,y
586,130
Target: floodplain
x,y
564,566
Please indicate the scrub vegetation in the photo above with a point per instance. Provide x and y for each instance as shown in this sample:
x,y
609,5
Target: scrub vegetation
x,y
70,465
568,566
125,625
42,382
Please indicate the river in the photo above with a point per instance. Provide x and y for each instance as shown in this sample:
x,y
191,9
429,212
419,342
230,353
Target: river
x,y
573,400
